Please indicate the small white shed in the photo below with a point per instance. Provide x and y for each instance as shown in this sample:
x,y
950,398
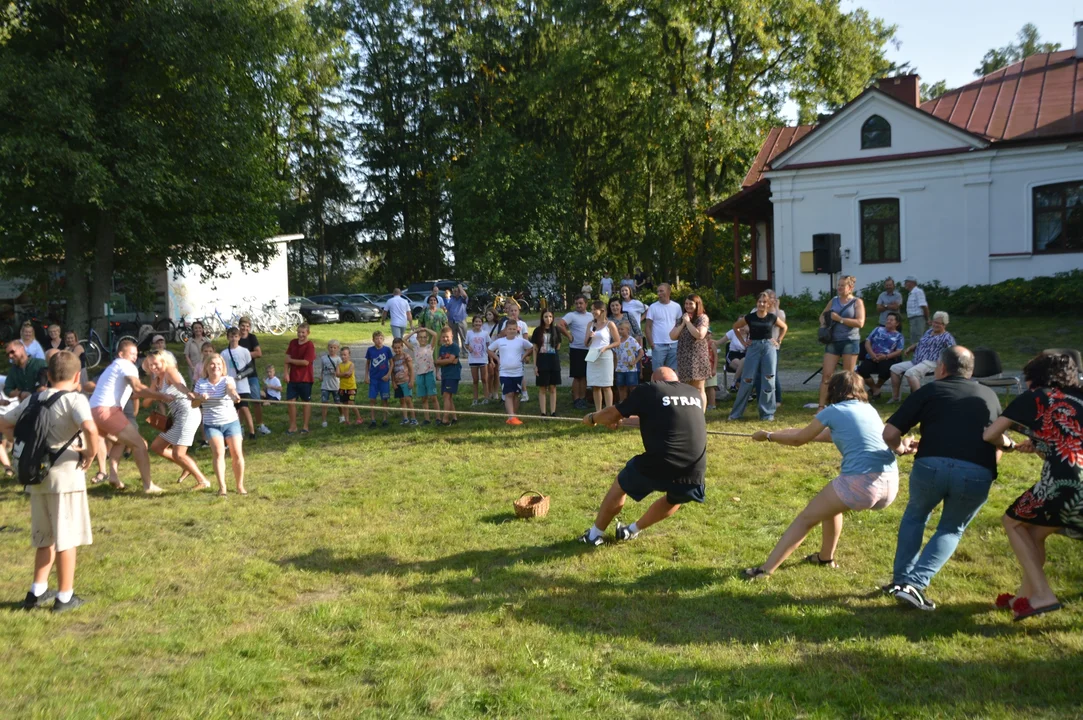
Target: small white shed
x,y
190,295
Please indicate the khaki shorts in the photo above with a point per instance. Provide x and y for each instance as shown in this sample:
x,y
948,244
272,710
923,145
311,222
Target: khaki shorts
x,y
60,519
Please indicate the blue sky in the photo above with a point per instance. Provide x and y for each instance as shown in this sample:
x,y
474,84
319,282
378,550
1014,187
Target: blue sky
x,y
946,39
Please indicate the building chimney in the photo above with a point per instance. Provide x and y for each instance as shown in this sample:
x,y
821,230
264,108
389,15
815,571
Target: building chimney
x,y
906,88
1079,40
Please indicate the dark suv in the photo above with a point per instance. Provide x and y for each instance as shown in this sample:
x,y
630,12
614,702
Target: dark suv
x,y
425,288
349,310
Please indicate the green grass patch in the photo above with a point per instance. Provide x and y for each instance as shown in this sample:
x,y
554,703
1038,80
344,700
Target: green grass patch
x,y
383,574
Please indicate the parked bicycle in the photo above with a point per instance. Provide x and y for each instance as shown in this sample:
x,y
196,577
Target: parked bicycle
x,y
96,349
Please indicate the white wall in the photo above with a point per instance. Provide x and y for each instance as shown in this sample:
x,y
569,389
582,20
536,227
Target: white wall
x,y
190,296
955,211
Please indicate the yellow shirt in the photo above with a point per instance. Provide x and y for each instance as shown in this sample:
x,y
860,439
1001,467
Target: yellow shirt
x,y
350,381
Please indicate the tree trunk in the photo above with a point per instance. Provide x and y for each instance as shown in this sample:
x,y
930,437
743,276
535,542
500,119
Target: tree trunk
x,y
101,286
77,317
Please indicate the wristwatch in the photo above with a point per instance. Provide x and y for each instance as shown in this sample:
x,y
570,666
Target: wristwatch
x,y
592,423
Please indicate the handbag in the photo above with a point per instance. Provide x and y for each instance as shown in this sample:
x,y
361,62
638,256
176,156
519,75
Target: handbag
x,y
160,421
823,334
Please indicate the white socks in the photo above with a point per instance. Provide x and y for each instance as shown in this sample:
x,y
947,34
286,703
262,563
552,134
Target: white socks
x,y
65,595
595,533
38,589
633,528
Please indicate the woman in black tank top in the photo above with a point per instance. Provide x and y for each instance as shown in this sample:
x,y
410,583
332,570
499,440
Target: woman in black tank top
x,y
761,357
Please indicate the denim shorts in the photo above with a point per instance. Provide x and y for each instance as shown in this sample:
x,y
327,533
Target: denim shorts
x,y
253,386
843,347
628,378
222,431
426,384
328,396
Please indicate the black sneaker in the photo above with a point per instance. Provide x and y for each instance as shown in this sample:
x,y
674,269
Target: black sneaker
x,y
75,602
623,533
33,603
372,424
890,589
913,596
251,436
585,539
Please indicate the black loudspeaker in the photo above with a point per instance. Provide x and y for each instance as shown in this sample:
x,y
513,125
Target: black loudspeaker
x,y
827,252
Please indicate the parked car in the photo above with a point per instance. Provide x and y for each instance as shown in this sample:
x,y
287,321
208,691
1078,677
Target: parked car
x,y
370,311
313,312
348,311
425,287
418,302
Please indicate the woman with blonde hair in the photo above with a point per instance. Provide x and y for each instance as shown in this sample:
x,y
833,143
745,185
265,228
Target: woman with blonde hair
x,y
216,394
843,317
173,443
868,478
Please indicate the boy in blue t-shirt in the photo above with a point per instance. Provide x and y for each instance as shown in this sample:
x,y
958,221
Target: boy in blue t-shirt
x,y
450,372
378,375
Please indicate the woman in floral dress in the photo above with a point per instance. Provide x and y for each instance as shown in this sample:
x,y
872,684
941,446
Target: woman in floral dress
x,y
1050,414
693,356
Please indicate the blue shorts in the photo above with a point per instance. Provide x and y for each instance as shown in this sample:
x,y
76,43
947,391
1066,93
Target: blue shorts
x,y
511,385
222,431
328,396
403,391
253,387
449,385
842,347
380,388
638,486
426,384
299,391
629,378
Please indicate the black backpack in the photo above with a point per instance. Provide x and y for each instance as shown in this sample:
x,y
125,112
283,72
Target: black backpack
x,y
31,452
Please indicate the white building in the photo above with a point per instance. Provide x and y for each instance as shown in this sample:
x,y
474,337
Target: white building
x,y
978,186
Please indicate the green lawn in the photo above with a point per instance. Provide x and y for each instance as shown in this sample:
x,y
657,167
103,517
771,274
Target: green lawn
x,y
382,574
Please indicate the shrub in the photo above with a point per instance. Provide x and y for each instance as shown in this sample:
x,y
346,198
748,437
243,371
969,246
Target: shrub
x,y
1055,295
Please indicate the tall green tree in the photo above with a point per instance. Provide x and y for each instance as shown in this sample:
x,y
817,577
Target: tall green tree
x,y
1027,42
133,133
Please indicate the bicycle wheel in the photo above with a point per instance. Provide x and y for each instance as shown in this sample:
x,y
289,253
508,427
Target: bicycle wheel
x,y
213,327
166,327
122,338
92,352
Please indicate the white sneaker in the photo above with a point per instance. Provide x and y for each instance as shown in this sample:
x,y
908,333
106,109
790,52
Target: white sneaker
x,y
474,403
323,424
264,430
524,396
341,419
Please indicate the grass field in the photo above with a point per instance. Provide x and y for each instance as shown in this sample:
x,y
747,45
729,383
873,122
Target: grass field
x,y
382,574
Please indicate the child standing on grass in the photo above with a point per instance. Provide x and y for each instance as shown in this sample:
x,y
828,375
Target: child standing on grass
x,y
59,513
711,386
509,352
402,370
378,375
424,369
492,387
476,342
329,382
628,355
450,372
272,385
546,342
347,385
238,361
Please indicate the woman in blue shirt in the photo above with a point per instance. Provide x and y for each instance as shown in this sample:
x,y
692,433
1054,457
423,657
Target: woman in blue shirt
x,y
883,347
868,480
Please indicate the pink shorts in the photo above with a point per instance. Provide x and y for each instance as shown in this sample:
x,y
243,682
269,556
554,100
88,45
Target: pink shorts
x,y
110,420
867,491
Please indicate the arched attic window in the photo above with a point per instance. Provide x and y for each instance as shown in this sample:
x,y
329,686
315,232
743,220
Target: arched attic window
x,y
875,133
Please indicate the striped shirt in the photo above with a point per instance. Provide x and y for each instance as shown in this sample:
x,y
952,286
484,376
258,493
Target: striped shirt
x,y
218,408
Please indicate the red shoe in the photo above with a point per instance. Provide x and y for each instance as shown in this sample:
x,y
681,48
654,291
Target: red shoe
x,y
514,421
1004,601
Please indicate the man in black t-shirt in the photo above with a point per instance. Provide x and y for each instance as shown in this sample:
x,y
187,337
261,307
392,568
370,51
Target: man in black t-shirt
x,y
674,461
954,466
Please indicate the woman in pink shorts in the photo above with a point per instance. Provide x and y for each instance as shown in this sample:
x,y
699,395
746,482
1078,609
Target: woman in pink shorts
x,y
869,477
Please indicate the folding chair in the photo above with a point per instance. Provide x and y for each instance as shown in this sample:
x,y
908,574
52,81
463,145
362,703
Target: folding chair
x,y
990,373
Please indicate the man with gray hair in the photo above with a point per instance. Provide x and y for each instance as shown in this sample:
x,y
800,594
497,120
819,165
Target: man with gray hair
x,y
889,301
917,309
953,466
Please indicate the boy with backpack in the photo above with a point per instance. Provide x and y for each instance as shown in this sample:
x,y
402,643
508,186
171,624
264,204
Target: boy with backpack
x,y
55,438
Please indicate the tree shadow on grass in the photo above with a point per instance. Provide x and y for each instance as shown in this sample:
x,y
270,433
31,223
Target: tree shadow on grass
x,y
866,683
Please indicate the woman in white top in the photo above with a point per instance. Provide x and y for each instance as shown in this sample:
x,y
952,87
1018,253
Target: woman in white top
x,y
173,444
602,336
216,394
33,347
193,350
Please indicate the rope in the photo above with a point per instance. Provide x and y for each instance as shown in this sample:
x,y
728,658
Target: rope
x,y
471,413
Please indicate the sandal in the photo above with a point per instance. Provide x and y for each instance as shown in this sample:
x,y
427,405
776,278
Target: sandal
x,y
755,573
815,559
9,472
1004,601
98,477
1023,609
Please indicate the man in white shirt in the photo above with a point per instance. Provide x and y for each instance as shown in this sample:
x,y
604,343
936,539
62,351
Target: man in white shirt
x,y
662,317
917,310
119,382
398,309
575,323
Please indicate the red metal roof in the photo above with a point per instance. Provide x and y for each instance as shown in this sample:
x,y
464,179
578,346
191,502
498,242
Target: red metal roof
x,y
1036,98
1039,97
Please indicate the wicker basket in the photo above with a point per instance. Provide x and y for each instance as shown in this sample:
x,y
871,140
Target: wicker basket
x,y
536,505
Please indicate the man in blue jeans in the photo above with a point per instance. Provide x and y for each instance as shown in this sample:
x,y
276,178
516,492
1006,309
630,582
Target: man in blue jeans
x,y
953,466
